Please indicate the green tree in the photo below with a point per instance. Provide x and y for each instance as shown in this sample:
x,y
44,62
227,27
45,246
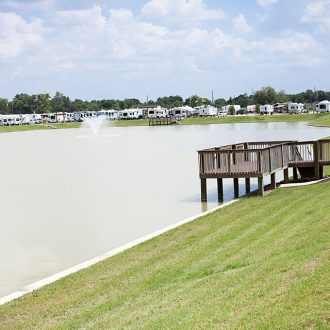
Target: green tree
x,y
4,109
266,95
231,110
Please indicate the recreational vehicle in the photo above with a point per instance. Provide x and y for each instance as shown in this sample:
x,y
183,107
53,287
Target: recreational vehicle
x,y
296,108
251,108
323,106
130,114
109,114
184,111
157,112
266,109
227,108
206,110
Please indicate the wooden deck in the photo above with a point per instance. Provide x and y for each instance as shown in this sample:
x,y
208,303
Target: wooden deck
x,y
164,121
258,159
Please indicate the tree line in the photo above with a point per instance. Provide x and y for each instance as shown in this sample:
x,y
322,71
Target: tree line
x,y
44,103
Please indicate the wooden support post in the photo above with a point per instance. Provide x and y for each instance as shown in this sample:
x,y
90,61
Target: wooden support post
x,y
286,175
295,173
316,160
220,190
261,186
247,185
203,190
321,172
273,181
236,188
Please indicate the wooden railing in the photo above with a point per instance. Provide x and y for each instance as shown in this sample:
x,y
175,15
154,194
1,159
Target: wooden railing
x,y
227,162
259,158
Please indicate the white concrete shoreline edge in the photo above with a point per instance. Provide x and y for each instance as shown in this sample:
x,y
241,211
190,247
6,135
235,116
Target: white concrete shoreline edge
x,y
50,279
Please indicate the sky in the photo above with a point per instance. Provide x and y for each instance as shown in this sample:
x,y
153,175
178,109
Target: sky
x,y
102,49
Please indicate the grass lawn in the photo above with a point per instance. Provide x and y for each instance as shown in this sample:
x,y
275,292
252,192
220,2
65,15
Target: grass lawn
x,y
312,119
262,263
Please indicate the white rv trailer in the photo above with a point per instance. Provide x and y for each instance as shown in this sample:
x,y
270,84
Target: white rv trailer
x,y
109,114
206,110
296,107
251,108
157,112
226,108
130,114
184,111
266,109
323,106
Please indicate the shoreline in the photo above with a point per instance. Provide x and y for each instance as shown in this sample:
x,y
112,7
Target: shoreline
x,y
71,270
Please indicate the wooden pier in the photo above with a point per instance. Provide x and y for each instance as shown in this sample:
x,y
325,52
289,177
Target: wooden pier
x,y
258,159
161,121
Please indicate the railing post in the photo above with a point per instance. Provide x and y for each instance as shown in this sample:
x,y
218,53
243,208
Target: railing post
x,y
228,162
261,190
259,162
234,155
270,160
316,160
246,154
282,155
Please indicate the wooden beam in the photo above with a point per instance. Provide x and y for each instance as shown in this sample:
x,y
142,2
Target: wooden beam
x,y
273,181
286,175
247,185
203,190
316,160
261,186
220,190
236,188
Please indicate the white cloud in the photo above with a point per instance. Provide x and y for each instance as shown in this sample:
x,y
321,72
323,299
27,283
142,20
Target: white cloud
x,y
318,12
241,25
16,34
191,10
266,3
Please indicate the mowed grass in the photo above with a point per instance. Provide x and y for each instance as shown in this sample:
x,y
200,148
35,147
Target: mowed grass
x,y
21,128
262,263
310,118
316,119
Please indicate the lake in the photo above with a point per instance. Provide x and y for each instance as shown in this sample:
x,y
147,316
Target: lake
x,y
67,196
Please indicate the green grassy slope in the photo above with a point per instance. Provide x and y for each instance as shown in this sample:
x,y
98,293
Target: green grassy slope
x,y
262,263
312,119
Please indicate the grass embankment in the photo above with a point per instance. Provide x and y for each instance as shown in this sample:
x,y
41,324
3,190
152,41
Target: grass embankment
x,y
21,128
262,263
312,119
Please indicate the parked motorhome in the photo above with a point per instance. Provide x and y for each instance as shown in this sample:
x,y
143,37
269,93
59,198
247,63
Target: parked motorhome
x,y
266,109
296,108
184,111
157,112
280,107
109,114
130,114
323,106
227,108
251,108
207,110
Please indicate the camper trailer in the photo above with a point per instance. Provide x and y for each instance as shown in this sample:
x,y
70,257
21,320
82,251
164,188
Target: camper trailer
x,y
157,112
323,106
206,110
227,108
109,114
185,111
266,109
296,108
251,108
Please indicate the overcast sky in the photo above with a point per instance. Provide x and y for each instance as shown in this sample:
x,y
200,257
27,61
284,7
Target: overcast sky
x,y
94,49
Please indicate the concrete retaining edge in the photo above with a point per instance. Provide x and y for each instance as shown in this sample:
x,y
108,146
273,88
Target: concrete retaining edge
x,y
52,278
